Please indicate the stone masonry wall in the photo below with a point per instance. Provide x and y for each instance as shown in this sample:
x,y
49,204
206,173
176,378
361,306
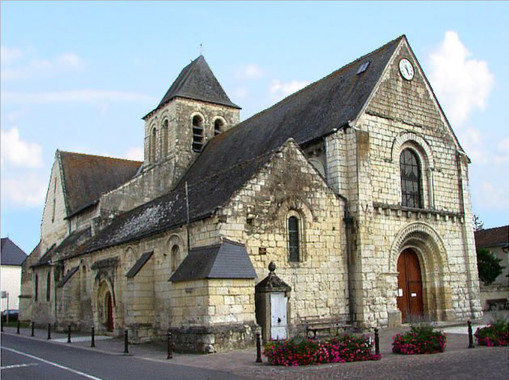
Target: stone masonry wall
x,y
257,216
403,113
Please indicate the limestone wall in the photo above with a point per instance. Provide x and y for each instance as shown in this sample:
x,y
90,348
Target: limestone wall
x,y
257,216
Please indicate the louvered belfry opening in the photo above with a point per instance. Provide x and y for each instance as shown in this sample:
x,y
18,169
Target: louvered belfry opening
x,y
197,133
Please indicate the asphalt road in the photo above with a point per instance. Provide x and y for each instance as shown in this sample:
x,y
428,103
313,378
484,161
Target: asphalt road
x,y
25,359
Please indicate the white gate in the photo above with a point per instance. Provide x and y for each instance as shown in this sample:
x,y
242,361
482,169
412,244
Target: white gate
x,y
278,316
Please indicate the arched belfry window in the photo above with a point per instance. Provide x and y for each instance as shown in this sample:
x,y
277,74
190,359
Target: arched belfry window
x,y
218,126
164,139
410,169
153,142
197,133
293,239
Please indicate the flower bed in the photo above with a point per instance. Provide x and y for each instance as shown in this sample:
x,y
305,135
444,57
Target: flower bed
x,y
419,340
495,334
298,352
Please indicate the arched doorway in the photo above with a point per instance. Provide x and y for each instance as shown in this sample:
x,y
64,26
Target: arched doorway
x,y
409,286
109,311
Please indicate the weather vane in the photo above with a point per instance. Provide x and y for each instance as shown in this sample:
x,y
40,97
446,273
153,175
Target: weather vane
x,y
201,49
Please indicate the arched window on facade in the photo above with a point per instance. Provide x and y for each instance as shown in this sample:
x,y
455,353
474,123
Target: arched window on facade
x,y
36,288
153,142
218,126
411,177
48,287
175,257
164,139
293,239
197,133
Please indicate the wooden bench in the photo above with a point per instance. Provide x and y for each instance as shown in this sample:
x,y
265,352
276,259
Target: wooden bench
x,y
314,324
497,304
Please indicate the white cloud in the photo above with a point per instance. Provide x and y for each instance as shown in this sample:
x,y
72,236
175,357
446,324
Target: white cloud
x,y
10,55
13,69
134,153
251,71
462,83
20,153
28,191
279,89
74,96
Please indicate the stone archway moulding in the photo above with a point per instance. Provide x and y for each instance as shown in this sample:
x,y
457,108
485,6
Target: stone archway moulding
x,y
412,137
428,236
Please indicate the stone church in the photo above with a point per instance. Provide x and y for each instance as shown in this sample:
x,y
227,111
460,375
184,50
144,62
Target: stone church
x,y
355,188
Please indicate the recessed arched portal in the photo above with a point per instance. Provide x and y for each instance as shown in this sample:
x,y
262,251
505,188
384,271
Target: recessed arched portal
x,y
409,286
420,245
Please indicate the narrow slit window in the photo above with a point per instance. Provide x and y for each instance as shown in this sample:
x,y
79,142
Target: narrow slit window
x,y
36,288
153,142
197,133
48,287
164,139
293,239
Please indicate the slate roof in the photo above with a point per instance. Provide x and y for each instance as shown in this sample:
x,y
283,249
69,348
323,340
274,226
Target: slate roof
x,y
225,260
139,264
234,156
313,112
11,254
197,81
72,245
86,177
492,237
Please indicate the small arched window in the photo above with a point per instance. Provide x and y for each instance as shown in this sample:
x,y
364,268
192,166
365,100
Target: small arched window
x,y
197,133
153,142
164,139
293,239
175,257
410,169
48,287
36,288
218,126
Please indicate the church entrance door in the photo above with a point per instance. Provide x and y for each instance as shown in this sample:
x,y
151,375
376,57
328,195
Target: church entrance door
x,y
109,311
409,285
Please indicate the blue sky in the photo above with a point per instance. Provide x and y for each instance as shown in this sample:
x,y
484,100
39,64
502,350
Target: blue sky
x,y
78,76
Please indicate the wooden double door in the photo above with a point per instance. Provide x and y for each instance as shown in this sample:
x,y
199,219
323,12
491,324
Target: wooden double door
x,y
409,286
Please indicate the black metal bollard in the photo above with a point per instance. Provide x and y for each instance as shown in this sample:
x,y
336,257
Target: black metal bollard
x,y
470,336
170,346
32,329
69,334
377,342
49,331
2,326
17,327
126,342
258,347
92,344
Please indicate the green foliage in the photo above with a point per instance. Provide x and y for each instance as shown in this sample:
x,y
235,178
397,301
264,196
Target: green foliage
x,y
303,351
488,266
421,339
495,334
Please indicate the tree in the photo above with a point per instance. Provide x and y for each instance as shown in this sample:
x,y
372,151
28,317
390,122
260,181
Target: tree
x,y
478,223
488,266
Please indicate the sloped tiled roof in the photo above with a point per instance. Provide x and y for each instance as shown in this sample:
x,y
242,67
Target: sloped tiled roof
x,y
197,81
231,158
225,260
86,177
492,237
67,276
139,264
311,113
11,254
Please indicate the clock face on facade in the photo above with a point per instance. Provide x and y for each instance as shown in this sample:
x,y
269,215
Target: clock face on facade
x,y
406,69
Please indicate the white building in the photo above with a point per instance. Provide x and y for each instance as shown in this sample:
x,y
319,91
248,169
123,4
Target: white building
x,y
12,259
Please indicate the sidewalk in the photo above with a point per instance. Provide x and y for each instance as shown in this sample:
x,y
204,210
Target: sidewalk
x,y
242,362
